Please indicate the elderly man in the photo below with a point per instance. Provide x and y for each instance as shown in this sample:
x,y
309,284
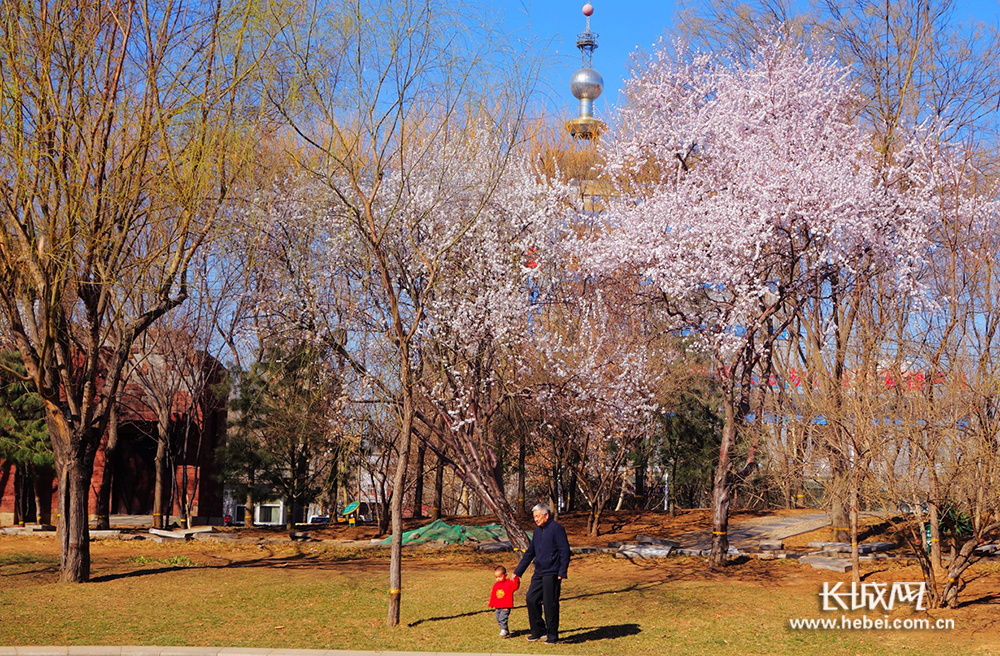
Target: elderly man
x,y
549,549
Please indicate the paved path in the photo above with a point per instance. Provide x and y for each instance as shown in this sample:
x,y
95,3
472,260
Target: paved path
x,y
218,651
748,532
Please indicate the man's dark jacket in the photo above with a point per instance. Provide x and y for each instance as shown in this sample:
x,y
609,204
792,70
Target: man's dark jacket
x,y
549,549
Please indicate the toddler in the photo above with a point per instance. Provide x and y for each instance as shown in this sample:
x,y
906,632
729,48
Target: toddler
x,y
502,597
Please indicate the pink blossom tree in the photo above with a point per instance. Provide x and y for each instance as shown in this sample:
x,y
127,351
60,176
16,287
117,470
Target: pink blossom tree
x,y
416,278
741,186
480,321
597,393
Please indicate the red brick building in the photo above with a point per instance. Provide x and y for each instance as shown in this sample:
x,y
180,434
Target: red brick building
x,y
189,394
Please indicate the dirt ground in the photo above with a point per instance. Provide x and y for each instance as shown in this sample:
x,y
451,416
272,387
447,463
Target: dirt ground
x,y
615,526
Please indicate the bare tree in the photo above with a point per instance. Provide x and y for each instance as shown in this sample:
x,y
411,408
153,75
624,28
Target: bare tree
x,y
116,151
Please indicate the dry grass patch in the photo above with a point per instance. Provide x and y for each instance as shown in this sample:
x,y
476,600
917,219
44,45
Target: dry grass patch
x,y
322,595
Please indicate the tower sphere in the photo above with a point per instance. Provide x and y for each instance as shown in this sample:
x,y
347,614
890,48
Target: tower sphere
x,y
588,10
587,84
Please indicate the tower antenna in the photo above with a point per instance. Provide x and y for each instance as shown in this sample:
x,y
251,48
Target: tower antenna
x,y
586,84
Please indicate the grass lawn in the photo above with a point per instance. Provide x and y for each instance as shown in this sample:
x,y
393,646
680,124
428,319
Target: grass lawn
x,y
319,596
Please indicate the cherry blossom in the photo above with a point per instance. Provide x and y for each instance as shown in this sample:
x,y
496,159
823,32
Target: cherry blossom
x,y
452,224
741,187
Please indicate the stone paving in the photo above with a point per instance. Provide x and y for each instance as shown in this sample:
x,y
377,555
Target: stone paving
x,y
747,533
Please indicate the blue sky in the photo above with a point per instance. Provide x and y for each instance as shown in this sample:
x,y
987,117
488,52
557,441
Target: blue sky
x,y
623,26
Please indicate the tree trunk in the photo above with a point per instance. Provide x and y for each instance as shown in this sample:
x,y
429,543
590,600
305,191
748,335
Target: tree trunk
x,y
43,500
384,513
463,501
499,507
570,491
935,526
554,488
668,488
640,484
73,453
855,554
185,497
438,490
594,522
622,492
249,509
104,492
161,516
520,507
796,485
74,530
840,521
489,491
398,483
19,498
333,490
517,536
418,489
965,558
721,488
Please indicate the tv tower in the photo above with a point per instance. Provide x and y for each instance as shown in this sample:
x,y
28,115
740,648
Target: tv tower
x,y
586,84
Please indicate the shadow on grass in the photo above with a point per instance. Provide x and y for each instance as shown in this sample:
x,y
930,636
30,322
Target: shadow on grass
x,y
471,613
587,634
985,599
27,564
267,560
590,634
47,569
137,573
631,588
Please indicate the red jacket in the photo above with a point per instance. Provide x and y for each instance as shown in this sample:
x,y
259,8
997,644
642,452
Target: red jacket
x,y
503,593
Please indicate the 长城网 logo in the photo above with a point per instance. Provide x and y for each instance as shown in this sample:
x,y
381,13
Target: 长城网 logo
x,y
882,597
871,596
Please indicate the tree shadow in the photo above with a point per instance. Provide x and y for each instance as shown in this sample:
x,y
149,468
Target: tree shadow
x,y
874,530
471,613
137,573
44,569
645,585
268,559
985,599
591,633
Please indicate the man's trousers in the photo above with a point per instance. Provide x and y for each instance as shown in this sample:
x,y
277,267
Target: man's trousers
x,y
543,593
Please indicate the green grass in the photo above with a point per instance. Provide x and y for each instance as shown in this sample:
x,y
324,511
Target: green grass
x,y
13,564
172,561
310,598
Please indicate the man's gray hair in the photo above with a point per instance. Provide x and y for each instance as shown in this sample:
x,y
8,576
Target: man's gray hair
x,y
541,507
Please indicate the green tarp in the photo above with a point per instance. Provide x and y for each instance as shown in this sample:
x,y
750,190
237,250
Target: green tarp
x,y
451,533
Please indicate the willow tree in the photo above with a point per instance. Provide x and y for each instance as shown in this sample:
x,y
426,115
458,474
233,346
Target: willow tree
x,y
117,148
